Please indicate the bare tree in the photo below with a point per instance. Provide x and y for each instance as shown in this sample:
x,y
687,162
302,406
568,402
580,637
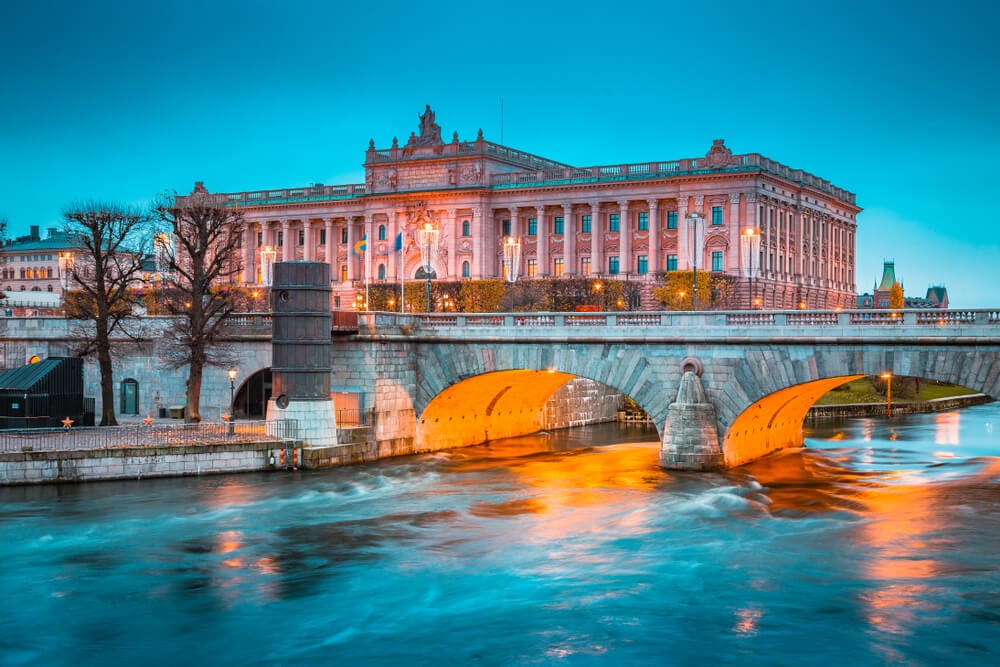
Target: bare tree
x,y
204,260
110,241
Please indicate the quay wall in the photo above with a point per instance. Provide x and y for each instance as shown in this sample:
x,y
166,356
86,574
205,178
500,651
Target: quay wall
x,y
40,467
850,410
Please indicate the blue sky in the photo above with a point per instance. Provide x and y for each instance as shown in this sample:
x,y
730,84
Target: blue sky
x,y
894,101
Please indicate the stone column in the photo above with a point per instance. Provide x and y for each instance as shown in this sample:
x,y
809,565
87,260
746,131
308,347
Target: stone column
x,y
569,240
349,222
331,246
307,242
454,229
690,435
544,263
286,240
735,229
625,240
596,239
654,236
683,246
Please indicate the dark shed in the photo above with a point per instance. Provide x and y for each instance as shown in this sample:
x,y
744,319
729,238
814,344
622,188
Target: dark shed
x,y
41,395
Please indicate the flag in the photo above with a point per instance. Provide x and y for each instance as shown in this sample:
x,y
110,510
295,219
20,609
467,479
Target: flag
x,y
399,242
361,247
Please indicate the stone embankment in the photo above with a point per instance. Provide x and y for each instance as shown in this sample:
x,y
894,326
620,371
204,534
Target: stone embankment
x,y
849,410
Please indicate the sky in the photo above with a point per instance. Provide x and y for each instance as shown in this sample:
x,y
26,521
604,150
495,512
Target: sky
x,y
894,101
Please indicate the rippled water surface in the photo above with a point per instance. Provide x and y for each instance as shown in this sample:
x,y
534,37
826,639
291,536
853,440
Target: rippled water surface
x,y
877,544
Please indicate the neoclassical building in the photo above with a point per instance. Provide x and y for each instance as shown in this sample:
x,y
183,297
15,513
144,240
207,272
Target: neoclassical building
x,y
626,221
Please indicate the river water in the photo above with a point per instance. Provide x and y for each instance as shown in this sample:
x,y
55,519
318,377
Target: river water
x,y
877,544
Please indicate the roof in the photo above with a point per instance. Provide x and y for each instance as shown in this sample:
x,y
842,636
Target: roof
x,y
26,377
53,242
888,276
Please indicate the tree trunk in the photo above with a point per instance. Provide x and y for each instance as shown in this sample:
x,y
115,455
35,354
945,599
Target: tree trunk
x,y
107,386
192,412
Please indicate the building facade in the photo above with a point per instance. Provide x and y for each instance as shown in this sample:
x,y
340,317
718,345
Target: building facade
x,y
626,221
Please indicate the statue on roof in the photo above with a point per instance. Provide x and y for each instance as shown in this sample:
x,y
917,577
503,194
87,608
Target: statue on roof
x,y
430,132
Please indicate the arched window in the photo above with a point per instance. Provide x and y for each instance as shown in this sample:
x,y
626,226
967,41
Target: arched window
x,y
381,232
50,288
381,271
465,270
466,228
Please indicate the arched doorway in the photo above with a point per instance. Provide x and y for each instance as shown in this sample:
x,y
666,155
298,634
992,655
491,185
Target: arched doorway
x,y
251,398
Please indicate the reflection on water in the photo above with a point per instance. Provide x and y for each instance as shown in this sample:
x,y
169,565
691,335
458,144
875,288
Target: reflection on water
x,y
866,547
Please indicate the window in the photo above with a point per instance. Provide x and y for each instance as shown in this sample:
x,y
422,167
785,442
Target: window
x,y
614,222
585,224
671,219
532,268
466,270
642,265
532,227
505,228
716,215
584,266
671,262
281,239
643,222
558,226
716,260
260,239
343,273
381,232
557,266
466,228
613,265
49,272
302,237
381,271
322,237
343,235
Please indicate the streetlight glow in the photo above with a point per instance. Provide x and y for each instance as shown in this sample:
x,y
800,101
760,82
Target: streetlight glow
x,y
887,376
512,262
750,251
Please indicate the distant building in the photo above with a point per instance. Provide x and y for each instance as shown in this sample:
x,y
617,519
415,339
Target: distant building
x,y
881,296
32,264
619,221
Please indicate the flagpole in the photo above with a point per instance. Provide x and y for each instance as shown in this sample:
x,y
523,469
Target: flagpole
x,y
402,277
368,267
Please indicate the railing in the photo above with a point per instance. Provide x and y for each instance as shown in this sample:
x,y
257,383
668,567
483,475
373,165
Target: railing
x,y
355,418
283,196
944,319
140,435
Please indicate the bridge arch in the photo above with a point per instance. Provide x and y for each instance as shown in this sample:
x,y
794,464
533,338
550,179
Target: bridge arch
x,y
472,394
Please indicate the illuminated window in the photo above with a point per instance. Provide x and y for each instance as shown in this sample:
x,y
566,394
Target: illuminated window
x,y
584,266
343,273
643,222
532,268
557,266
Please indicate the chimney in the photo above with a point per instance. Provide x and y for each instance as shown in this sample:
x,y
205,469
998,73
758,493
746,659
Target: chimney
x,y
34,233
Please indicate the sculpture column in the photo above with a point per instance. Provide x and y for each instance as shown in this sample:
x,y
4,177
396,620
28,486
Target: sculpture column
x,y
625,240
569,240
542,248
596,238
654,236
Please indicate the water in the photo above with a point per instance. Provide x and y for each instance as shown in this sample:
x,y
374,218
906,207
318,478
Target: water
x,y
878,544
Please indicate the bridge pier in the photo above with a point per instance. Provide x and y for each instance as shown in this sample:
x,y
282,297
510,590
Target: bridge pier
x,y
690,437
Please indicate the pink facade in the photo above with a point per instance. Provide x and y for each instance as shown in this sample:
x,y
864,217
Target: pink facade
x,y
626,221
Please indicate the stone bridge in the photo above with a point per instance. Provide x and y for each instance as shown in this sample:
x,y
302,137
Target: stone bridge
x,y
721,388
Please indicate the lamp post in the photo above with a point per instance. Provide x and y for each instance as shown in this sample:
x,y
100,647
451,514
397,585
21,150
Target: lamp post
x,y
598,290
887,376
750,249
232,393
268,254
67,260
428,236
696,227
512,261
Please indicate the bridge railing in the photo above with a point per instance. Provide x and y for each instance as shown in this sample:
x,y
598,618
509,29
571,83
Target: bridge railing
x,y
947,319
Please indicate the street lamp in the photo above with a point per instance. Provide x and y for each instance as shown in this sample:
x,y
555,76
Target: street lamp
x,y
268,254
696,227
428,236
512,262
232,393
598,287
750,249
887,376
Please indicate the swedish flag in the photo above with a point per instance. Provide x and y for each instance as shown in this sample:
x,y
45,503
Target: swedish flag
x,y
361,247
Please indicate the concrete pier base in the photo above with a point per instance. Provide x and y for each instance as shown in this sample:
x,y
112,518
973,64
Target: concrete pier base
x,y
317,422
690,437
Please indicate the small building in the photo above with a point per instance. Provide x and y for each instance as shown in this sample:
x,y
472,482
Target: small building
x,y
881,296
43,394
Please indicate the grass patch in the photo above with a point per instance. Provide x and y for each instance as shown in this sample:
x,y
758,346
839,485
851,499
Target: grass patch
x,y
864,391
